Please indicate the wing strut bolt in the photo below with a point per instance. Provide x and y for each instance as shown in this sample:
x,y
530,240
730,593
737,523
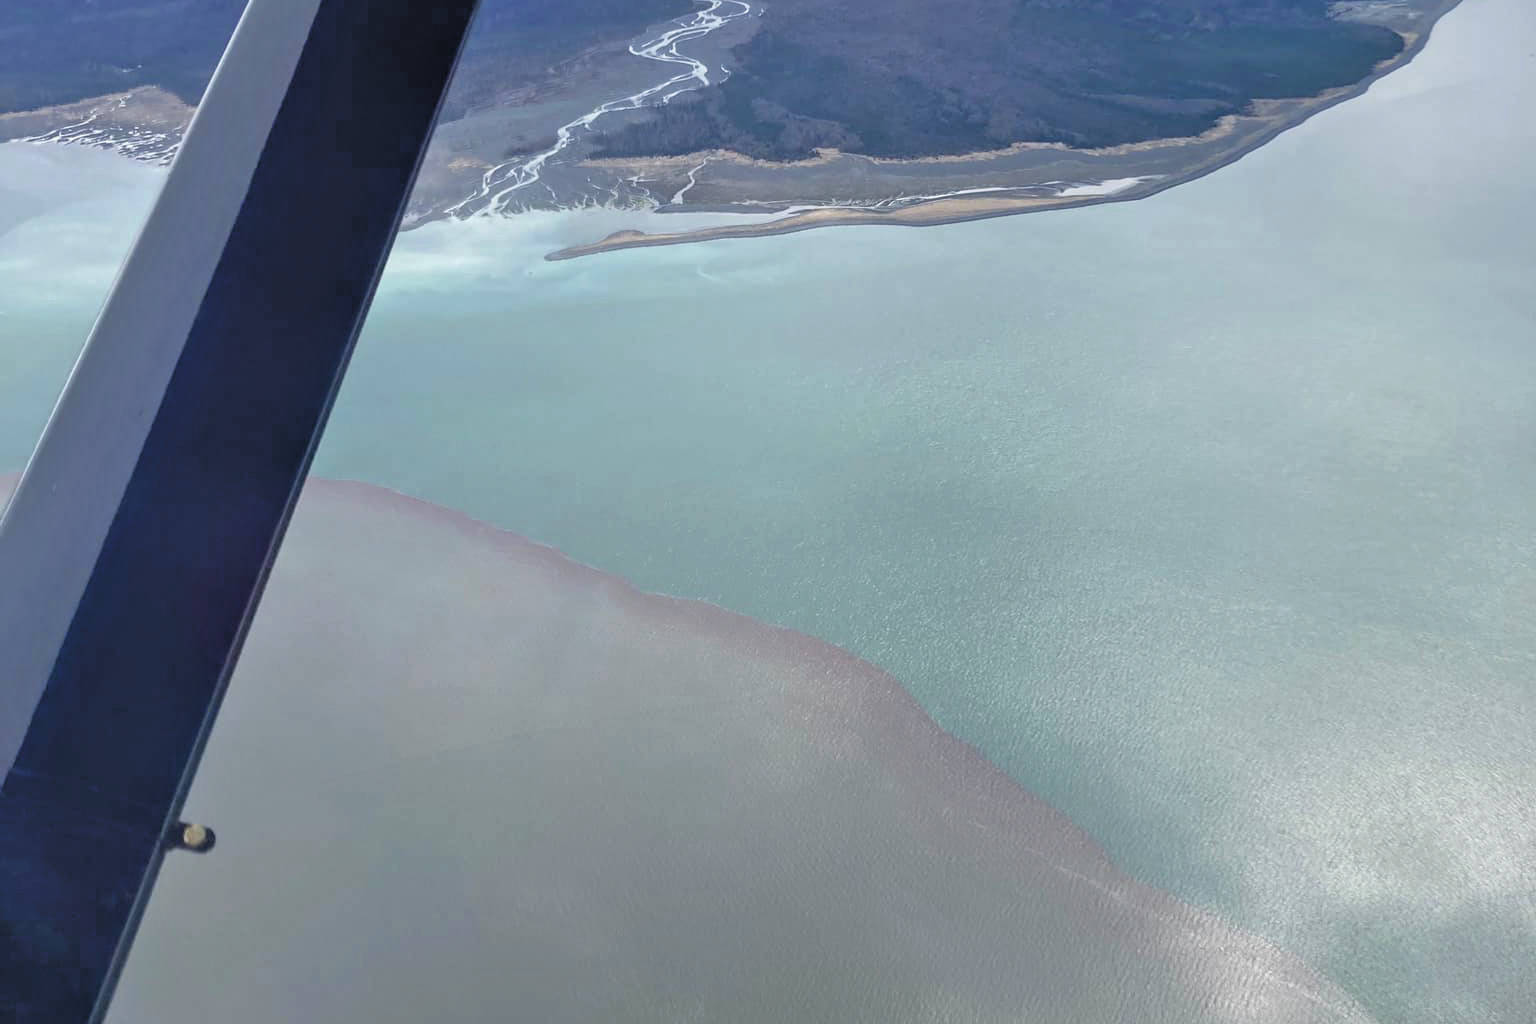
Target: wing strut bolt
x,y
196,838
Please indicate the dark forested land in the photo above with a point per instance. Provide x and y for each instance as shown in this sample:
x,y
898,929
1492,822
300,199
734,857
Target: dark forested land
x,y
58,51
517,42
907,78
895,78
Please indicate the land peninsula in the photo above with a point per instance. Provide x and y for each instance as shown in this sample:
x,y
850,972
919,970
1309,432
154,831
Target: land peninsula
x,y
813,112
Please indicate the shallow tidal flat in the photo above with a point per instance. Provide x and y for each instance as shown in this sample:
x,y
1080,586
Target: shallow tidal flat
x,y
460,777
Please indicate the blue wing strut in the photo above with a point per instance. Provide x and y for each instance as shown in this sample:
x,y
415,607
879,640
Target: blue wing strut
x,y
137,543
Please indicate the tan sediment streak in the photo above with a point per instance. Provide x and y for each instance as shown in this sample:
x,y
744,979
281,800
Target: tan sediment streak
x,y
941,211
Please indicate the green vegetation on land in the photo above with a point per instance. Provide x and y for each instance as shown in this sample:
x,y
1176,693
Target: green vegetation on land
x,y
902,78
915,78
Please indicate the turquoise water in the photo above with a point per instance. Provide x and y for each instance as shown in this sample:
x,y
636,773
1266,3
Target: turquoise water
x,y
1209,518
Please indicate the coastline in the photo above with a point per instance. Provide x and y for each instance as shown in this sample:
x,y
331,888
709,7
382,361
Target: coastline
x,y
145,124
956,210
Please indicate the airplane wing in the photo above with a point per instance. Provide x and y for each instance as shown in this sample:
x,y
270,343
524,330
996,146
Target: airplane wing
x,y
137,543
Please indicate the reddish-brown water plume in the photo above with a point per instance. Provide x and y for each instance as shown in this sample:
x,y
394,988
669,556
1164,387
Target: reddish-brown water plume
x,y
461,777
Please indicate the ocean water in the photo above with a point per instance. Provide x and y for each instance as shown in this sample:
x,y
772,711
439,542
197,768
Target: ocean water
x,y
1210,519
461,778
